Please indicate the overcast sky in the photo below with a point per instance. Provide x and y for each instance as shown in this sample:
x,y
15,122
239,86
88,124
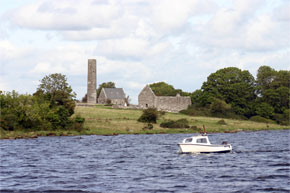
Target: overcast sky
x,y
137,42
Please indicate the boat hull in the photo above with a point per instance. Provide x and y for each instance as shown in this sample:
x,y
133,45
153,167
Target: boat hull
x,y
196,148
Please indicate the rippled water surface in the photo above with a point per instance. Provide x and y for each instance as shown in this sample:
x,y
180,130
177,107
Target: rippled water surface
x,y
260,162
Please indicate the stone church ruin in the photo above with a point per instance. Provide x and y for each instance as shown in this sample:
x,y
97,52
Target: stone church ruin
x,y
114,96
147,99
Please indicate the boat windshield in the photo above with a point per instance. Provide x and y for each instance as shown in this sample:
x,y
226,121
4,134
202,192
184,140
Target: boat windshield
x,y
201,140
188,140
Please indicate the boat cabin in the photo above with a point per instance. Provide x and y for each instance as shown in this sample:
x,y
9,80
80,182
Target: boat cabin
x,y
201,139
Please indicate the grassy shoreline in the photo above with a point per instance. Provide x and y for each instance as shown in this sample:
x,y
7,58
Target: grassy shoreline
x,y
103,120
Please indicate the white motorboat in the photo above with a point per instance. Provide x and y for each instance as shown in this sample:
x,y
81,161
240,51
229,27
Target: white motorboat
x,y
201,144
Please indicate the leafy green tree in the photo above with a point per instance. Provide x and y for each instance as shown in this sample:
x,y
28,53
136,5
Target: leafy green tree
x,y
50,107
55,89
264,110
219,106
286,115
232,85
163,89
273,88
281,79
272,97
105,85
284,94
265,77
20,111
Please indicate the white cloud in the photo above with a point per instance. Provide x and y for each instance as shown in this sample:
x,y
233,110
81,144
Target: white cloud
x,y
10,51
137,42
134,48
45,67
64,15
241,27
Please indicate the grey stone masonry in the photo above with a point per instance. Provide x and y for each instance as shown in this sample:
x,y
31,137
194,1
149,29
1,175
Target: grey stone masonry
x,y
92,81
147,99
116,96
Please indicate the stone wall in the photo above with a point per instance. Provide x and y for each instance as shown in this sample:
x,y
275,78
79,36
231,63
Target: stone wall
x,y
172,104
147,99
121,102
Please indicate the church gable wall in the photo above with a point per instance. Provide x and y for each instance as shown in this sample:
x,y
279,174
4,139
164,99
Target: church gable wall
x,y
146,98
102,98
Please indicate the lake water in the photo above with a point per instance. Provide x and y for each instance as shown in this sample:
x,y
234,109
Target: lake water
x,y
260,162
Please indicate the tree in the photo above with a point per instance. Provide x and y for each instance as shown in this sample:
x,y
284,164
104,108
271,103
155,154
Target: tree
x,y
20,112
105,85
55,89
265,77
49,108
163,89
232,85
219,106
273,88
265,110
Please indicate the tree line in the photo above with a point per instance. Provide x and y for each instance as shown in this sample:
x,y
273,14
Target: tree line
x,y
235,93
49,108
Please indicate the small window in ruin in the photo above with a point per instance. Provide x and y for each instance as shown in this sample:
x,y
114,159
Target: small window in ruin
x,y
146,105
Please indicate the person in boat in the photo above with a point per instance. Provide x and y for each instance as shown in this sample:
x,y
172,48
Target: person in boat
x,y
203,133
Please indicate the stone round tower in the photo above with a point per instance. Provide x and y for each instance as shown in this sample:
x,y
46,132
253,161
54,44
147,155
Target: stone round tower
x,y
92,81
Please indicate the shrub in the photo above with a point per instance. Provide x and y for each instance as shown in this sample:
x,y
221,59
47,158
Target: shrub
x,y
180,123
286,115
195,128
283,119
221,122
161,113
149,115
49,108
108,101
260,119
196,111
219,106
79,123
149,126
20,111
85,99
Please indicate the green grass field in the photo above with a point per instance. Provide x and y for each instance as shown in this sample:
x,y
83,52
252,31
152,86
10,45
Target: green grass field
x,y
103,120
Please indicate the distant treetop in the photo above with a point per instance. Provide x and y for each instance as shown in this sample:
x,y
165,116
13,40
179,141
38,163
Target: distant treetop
x,y
164,89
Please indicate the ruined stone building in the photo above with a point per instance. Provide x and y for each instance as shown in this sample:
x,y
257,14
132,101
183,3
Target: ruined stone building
x,y
114,96
147,99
